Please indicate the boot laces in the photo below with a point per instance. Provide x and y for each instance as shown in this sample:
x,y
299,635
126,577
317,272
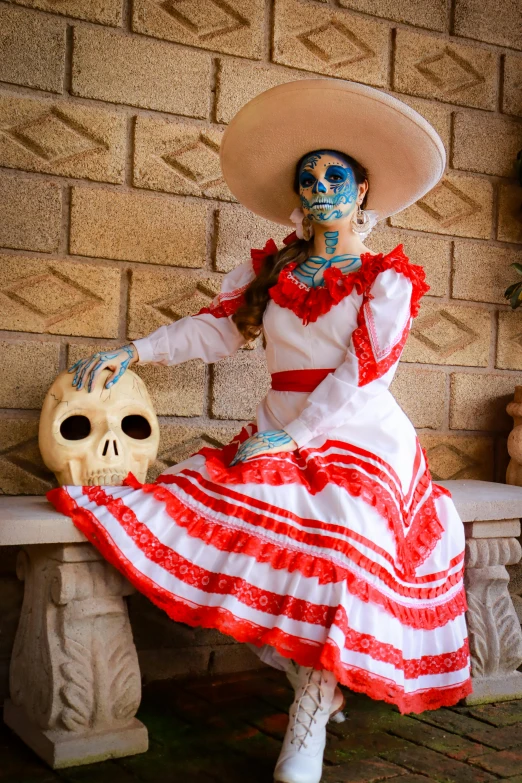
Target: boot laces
x,y
305,713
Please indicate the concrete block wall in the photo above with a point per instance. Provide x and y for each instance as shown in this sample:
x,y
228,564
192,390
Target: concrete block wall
x,y
114,218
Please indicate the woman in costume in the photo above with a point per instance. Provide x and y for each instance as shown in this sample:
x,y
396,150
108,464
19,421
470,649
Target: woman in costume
x,y
316,535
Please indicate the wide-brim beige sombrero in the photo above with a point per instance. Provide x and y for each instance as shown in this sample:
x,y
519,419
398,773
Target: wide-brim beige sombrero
x,y
404,155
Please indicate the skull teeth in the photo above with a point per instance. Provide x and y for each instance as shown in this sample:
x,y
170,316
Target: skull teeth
x,y
105,479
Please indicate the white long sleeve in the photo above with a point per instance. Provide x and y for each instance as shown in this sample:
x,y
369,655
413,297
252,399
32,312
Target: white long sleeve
x,y
209,335
372,357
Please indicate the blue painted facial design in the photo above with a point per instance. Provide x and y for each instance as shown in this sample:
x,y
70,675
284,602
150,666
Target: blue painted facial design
x,y
327,187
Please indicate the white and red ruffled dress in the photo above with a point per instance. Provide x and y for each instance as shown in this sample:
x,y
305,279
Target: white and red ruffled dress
x,y
342,554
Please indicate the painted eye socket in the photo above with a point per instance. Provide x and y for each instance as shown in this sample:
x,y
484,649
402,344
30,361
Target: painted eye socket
x,y
136,427
336,174
306,180
75,428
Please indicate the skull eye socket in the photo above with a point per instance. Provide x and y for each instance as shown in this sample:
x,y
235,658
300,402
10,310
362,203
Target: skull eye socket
x,y
75,427
136,427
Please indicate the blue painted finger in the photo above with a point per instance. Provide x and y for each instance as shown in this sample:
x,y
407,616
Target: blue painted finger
x,y
92,375
86,365
118,376
248,449
78,371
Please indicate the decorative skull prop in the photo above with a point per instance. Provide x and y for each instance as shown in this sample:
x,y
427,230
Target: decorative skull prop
x,y
90,438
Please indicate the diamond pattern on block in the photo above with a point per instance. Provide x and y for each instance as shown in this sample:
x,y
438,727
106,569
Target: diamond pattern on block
x,y
516,340
52,296
25,456
186,449
54,137
197,163
449,71
447,204
444,334
205,19
188,304
335,44
449,462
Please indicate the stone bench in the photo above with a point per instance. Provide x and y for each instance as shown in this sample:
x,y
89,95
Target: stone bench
x,y
491,513
75,682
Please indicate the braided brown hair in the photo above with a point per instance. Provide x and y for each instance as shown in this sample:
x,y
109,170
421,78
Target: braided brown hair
x,y
249,317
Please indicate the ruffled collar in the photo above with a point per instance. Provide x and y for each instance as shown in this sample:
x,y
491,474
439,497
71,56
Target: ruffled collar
x,y
310,303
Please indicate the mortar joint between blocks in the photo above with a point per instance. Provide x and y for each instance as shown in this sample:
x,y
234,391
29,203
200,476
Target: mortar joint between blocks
x,y
391,59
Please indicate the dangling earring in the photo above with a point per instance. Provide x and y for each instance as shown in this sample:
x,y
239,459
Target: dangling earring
x,y
360,221
308,229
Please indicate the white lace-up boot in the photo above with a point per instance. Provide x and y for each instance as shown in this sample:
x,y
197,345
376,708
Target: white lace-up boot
x,y
338,703
301,757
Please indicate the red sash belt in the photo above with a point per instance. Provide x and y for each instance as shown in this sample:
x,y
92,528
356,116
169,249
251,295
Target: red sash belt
x,y
299,380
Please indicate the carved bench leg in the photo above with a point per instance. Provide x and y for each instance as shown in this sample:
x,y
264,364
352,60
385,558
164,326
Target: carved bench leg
x,y
494,628
74,679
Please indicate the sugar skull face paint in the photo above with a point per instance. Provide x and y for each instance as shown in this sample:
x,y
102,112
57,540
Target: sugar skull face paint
x,y
327,187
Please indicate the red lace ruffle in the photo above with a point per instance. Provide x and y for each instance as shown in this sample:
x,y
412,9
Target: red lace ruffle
x,y
225,304
398,260
258,256
221,499
223,308
302,651
310,303
314,471
370,368
437,489
227,538
217,499
413,668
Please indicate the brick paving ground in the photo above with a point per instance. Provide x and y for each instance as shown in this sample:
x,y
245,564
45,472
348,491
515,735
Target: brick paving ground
x,y
229,730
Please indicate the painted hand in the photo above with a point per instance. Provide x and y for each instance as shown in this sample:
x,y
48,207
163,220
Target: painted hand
x,y
87,370
269,442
